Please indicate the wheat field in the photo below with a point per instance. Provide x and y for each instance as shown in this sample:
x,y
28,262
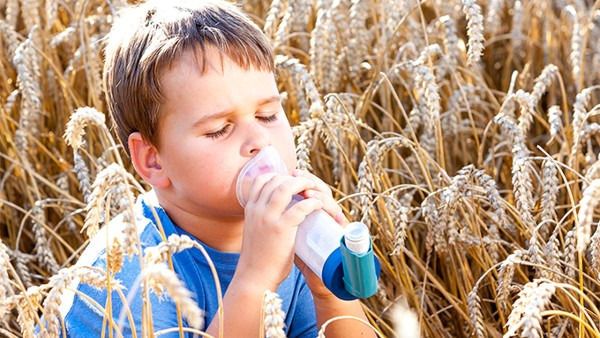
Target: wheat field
x,y
464,133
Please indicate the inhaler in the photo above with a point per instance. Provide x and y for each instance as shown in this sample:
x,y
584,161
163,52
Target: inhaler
x,y
342,257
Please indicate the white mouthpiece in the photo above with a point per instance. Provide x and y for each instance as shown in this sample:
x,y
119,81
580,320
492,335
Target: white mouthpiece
x,y
357,238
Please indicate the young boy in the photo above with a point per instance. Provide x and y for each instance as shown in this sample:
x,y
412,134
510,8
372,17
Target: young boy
x,y
192,91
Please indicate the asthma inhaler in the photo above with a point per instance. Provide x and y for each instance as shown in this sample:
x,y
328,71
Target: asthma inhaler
x,y
342,257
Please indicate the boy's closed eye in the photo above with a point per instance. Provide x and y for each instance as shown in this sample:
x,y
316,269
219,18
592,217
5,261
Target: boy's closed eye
x,y
221,132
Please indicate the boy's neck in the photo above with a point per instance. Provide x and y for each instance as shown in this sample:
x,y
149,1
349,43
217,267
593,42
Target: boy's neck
x,y
219,233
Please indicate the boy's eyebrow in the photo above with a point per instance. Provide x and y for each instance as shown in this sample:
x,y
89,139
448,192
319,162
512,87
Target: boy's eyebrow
x,y
223,113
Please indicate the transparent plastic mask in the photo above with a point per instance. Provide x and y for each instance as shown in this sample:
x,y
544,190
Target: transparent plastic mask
x,y
266,161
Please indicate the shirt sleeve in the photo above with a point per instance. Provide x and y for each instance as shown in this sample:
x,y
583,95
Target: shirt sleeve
x,y
85,319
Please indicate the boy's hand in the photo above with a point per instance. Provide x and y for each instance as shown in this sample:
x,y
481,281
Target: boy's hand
x,y
322,192
267,251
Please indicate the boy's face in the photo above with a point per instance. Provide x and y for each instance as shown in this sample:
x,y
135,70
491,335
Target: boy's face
x,y
212,125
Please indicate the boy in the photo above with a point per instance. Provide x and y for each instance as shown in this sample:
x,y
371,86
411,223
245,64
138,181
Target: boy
x,y
191,88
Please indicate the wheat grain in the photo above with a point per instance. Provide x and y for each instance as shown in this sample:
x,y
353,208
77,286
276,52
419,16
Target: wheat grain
x,y
474,30
305,80
110,176
42,249
592,172
51,10
12,13
28,80
522,185
516,32
27,303
58,283
20,263
399,214
505,276
272,18
526,315
474,305
305,132
376,150
114,256
589,130
273,315
160,278
30,12
576,43
63,183
5,286
450,197
9,36
569,253
323,49
594,250
450,40
543,83
11,99
493,17
550,190
579,120
585,217
160,253
356,48
493,196
555,120
552,255
77,123
285,27
432,218
83,175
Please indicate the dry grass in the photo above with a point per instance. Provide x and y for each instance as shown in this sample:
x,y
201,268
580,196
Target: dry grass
x,y
465,133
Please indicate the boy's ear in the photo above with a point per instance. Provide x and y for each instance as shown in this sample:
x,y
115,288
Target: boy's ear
x,y
146,161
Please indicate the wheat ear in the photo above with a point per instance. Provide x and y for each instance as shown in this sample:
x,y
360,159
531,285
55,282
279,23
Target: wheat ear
x,y
273,315
475,31
526,315
585,217
160,278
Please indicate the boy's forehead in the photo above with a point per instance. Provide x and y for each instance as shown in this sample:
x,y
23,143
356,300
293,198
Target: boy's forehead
x,y
202,61
212,77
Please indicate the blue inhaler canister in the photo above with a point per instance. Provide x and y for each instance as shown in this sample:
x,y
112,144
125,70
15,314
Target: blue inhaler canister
x,y
342,258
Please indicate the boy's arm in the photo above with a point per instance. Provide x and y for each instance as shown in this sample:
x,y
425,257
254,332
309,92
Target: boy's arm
x,y
267,255
241,309
330,307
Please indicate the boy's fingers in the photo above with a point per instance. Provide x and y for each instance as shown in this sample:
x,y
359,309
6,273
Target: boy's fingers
x,y
279,190
319,184
329,205
298,212
257,186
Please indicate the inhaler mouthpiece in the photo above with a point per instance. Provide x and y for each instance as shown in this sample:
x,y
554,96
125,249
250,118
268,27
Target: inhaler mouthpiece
x,y
266,161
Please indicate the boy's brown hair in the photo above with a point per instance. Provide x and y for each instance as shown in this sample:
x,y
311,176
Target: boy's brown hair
x,y
148,38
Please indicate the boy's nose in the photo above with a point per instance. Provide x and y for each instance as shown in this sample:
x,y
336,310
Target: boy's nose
x,y
256,139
